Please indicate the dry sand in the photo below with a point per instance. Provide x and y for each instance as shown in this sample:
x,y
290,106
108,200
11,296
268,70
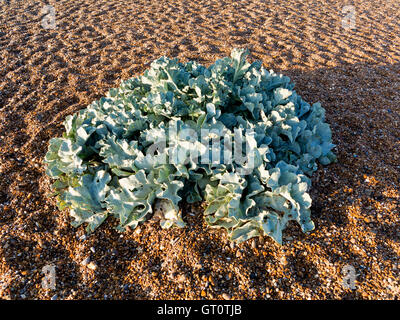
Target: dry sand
x,y
355,74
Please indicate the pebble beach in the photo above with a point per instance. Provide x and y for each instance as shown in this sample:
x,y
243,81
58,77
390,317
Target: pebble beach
x,y
346,58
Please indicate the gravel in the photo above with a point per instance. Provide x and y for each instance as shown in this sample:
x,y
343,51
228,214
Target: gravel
x,y
46,75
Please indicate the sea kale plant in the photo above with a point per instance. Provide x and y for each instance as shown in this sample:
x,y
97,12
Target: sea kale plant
x,y
233,135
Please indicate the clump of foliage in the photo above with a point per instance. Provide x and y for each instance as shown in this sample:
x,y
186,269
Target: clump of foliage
x,y
103,165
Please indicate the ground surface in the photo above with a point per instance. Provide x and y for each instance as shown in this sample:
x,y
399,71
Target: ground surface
x,y
47,74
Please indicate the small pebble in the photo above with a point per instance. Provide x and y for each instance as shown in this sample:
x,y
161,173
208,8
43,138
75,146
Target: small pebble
x,y
182,278
85,261
92,266
226,296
